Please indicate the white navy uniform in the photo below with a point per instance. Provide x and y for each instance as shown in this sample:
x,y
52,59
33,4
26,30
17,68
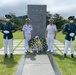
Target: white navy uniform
x,y
27,33
50,36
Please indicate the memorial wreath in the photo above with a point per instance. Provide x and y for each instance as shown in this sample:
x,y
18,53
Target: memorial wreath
x,y
38,44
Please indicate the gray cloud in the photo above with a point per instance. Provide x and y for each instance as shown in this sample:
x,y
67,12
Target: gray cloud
x,y
19,7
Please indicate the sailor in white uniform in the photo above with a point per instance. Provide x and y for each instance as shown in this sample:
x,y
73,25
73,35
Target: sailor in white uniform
x,y
27,28
51,31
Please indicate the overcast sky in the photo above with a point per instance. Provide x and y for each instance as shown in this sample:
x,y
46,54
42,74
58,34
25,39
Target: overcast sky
x,y
63,7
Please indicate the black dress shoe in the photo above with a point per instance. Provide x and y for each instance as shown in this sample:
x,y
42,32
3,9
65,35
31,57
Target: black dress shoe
x,y
72,55
64,55
5,55
11,55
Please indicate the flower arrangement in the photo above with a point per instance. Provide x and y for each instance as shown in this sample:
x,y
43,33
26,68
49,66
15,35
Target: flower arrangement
x,y
38,43
42,41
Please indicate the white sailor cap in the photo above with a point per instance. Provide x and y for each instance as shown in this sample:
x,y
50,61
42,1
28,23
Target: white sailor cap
x,y
51,19
8,16
27,19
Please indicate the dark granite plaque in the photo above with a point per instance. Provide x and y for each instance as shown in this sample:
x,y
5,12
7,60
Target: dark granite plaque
x,y
37,14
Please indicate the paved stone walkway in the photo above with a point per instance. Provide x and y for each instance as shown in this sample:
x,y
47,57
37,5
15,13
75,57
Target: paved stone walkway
x,y
37,65
18,45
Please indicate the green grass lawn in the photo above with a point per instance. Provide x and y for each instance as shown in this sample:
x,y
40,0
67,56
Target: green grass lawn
x,y
60,37
1,39
18,35
67,65
9,65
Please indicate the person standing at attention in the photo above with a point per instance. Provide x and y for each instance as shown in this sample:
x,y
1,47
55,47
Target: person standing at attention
x,y
51,31
69,30
7,29
27,29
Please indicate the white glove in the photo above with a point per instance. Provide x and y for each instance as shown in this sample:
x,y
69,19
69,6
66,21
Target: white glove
x,y
71,34
6,32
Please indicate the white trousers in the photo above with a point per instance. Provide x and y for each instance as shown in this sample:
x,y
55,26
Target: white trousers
x,y
8,44
50,42
27,38
69,44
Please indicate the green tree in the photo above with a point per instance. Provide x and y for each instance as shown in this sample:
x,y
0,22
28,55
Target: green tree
x,y
48,16
19,21
59,21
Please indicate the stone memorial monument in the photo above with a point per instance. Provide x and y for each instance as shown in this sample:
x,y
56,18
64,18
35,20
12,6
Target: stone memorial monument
x,y
37,14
